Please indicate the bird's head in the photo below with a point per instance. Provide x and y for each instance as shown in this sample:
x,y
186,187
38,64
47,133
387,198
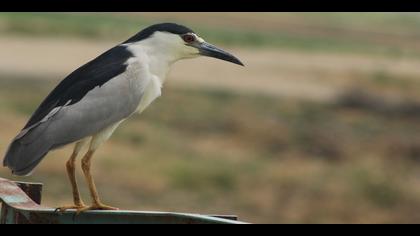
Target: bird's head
x,y
179,42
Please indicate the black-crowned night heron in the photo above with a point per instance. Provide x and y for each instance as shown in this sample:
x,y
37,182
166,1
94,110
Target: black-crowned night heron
x,y
90,103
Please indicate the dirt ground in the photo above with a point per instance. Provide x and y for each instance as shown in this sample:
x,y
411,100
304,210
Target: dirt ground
x,y
315,76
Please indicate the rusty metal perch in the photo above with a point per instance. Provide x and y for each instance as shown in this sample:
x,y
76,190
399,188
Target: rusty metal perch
x,y
21,205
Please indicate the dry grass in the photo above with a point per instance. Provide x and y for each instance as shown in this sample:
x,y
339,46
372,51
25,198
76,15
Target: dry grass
x,y
264,158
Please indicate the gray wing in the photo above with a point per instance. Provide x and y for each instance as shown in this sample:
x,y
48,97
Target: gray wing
x,y
102,106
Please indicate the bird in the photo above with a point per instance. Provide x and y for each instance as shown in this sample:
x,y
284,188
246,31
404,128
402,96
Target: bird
x,y
88,105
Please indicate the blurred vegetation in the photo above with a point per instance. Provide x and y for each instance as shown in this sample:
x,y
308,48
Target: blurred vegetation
x,y
370,33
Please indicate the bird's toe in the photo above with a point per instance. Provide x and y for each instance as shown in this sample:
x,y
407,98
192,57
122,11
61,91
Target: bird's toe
x,y
71,207
99,206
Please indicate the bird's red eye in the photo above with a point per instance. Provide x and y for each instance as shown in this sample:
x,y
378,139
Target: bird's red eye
x,y
188,38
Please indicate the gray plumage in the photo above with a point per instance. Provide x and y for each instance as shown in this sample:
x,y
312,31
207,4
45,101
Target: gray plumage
x,y
99,108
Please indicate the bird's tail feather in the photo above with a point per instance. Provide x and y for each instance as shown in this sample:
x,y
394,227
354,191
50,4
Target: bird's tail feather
x,y
23,157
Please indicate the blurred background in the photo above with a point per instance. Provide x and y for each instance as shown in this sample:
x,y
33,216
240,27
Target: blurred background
x,y
321,126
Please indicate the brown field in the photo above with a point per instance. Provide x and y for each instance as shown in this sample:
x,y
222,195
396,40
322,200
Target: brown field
x,y
278,72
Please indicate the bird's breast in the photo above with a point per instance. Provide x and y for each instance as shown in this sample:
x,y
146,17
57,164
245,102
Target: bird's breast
x,y
151,92
143,80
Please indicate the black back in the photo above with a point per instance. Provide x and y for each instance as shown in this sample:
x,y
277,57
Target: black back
x,y
76,85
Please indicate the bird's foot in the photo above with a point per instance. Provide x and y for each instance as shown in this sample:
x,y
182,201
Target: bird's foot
x,y
74,207
97,206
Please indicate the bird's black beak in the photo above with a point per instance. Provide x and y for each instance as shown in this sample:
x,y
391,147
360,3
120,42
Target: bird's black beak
x,y
209,50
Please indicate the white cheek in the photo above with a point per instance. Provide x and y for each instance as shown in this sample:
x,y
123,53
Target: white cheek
x,y
200,40
189,52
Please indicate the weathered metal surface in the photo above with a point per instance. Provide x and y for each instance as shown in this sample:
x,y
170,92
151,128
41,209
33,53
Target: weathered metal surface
x,y
121,217
13,196
15,200
19,208
33,190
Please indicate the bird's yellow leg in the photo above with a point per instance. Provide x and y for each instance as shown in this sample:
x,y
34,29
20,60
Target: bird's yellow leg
x,y
96,203
71,171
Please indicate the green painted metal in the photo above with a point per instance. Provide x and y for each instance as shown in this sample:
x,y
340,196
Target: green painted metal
x,y
20,208
117,217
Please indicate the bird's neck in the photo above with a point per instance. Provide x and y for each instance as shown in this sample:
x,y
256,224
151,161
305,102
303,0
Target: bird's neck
x,y
160,66
158,61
